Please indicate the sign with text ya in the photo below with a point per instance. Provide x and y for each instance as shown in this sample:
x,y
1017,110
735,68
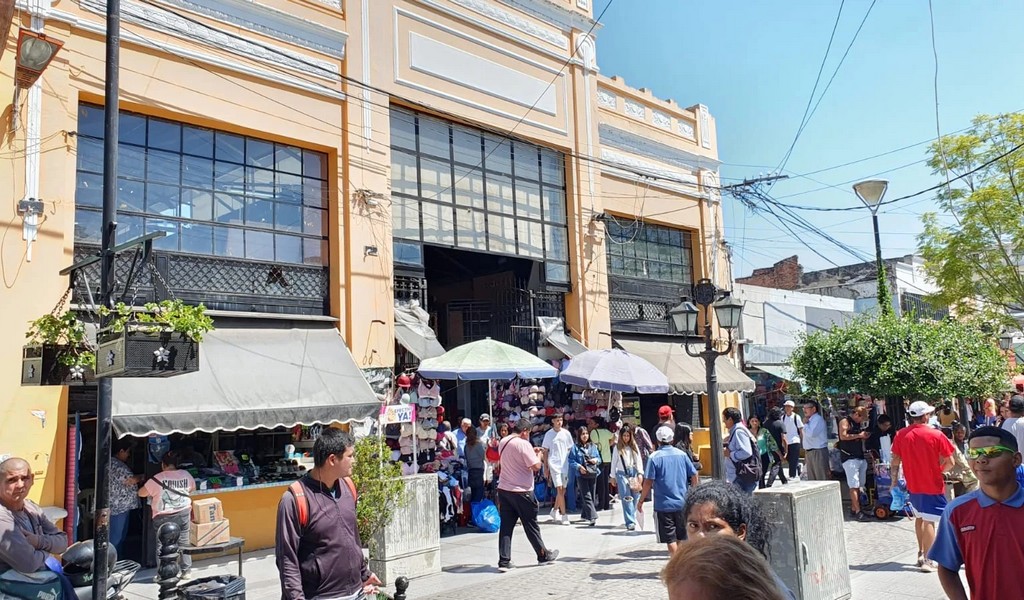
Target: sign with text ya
x,y
397,413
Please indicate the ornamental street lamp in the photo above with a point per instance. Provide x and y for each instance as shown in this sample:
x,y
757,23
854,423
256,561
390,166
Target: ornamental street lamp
x,y
1005,341
870,193
727,311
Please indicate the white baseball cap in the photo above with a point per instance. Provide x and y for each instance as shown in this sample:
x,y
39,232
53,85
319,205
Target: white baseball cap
x,y
789,403
665,434
920,409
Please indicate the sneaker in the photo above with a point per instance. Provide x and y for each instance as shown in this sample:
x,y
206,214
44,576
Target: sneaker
x,y
861,516
565,520
929,566
920,559
548,558
593,522
505,568
554,514
630,527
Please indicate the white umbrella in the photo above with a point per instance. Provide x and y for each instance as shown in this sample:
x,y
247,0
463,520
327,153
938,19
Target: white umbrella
x,y
615,370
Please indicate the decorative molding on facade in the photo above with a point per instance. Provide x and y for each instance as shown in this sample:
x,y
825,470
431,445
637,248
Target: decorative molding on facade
x,y
637,164
488,9
636,110
626,141
661,119
686,130
558,15
584,4
586,49
398,57
270,22
710,183
165,21
703,118
364,18
332,3
199,57
607,99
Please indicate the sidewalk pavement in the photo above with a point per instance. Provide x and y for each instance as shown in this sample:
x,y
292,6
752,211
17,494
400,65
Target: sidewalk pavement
x,y
605,562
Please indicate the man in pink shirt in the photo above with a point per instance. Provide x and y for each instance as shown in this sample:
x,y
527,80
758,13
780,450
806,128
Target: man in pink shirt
x,y
519,461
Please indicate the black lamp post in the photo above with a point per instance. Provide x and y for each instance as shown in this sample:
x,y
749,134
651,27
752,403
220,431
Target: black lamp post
x,y
870,193
727,311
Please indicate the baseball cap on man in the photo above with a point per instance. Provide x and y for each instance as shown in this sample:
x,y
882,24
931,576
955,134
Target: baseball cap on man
x,y
665,412
920,409
789,403
665,434
485,417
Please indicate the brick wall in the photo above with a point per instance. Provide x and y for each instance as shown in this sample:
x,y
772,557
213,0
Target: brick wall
x,y
783,275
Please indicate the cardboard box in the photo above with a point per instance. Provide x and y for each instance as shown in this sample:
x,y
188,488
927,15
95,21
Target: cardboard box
x,y
207,510
204,534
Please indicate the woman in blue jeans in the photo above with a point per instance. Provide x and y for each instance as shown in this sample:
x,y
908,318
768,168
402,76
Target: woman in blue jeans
x,y
626,465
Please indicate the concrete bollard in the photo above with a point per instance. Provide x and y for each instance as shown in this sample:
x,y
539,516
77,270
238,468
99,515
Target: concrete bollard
x,y
168,571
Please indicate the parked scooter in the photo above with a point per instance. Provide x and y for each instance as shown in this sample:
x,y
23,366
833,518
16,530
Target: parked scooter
x,y
77,564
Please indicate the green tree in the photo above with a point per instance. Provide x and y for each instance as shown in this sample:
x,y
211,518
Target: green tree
x,y
974,247
902,357
381,487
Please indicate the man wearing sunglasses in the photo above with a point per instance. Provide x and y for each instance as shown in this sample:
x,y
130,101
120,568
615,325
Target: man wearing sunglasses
x,y
984,529
925,454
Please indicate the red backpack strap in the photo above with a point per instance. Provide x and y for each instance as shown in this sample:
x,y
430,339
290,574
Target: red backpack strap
x,y
352,488
301,504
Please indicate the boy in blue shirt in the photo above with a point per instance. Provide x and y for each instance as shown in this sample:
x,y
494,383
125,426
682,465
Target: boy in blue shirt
x,y
670,473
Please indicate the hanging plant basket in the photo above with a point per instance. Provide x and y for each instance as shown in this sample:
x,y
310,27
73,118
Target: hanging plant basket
x,y
48,364
58,351
162,340
146,352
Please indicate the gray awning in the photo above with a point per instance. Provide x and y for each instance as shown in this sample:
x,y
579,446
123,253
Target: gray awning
x,y
413,332
686,374
552,331
250,378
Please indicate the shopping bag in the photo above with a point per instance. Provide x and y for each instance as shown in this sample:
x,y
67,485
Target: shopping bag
x,y
486,517
640,519
900,497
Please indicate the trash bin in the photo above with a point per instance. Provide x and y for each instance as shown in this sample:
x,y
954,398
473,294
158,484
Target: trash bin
x,y
219,587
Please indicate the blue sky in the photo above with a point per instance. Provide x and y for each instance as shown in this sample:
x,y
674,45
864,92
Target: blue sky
x,y
753,63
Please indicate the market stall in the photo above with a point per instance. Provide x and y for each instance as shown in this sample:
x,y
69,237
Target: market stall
x,y
251,415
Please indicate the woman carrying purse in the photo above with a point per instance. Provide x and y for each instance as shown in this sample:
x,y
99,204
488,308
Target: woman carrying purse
x,y
627,466
585,460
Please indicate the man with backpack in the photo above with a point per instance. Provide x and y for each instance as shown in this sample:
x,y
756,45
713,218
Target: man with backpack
x,y
319,554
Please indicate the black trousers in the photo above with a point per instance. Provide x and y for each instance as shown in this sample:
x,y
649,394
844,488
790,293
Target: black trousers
x,y
794,459
604,497
588,490
776,469
515,507
476,485
766,462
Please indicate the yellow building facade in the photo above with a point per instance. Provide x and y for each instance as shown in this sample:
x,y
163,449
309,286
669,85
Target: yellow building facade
x,y
312,161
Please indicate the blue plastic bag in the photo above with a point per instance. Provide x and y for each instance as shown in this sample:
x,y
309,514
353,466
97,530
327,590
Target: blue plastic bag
x,y
540,491
900,497
486,517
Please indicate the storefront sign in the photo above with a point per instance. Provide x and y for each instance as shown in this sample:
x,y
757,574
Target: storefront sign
x,y
397,413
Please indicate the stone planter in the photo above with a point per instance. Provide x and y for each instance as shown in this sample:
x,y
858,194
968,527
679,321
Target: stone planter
x,y
40,365
410,545
146,354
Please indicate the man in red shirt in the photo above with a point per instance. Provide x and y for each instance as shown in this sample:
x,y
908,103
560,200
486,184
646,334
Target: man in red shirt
x,y
985,527
925,453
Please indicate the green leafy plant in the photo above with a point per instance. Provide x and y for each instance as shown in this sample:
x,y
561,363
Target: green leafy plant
x,y
381,488
65,332
154,317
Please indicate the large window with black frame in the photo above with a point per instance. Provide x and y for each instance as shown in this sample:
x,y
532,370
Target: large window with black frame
x,y
649,266
245,218
459,187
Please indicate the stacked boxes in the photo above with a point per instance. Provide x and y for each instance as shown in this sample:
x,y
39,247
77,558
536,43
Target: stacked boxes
x,y
208,523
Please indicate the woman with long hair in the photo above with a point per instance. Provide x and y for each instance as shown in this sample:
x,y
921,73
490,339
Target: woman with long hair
x,y
988,415
718,568
720,508
585,460
684,441
628,468
761,436
475,452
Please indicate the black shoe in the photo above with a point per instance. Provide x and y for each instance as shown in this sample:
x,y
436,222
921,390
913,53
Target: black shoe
x,y
548,558
505,568
593,522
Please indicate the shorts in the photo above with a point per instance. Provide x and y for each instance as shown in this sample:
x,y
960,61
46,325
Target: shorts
x,y
856,472
559,479
928,506
671,526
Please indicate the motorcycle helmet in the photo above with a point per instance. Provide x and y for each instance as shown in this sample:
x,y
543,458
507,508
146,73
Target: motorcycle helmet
x,y
77,562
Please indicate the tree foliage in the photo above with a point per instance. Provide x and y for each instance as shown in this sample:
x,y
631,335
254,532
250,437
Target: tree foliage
x,y
974,247
902,357
381,487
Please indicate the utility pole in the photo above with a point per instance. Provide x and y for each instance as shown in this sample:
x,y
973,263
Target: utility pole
x,y
104,408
